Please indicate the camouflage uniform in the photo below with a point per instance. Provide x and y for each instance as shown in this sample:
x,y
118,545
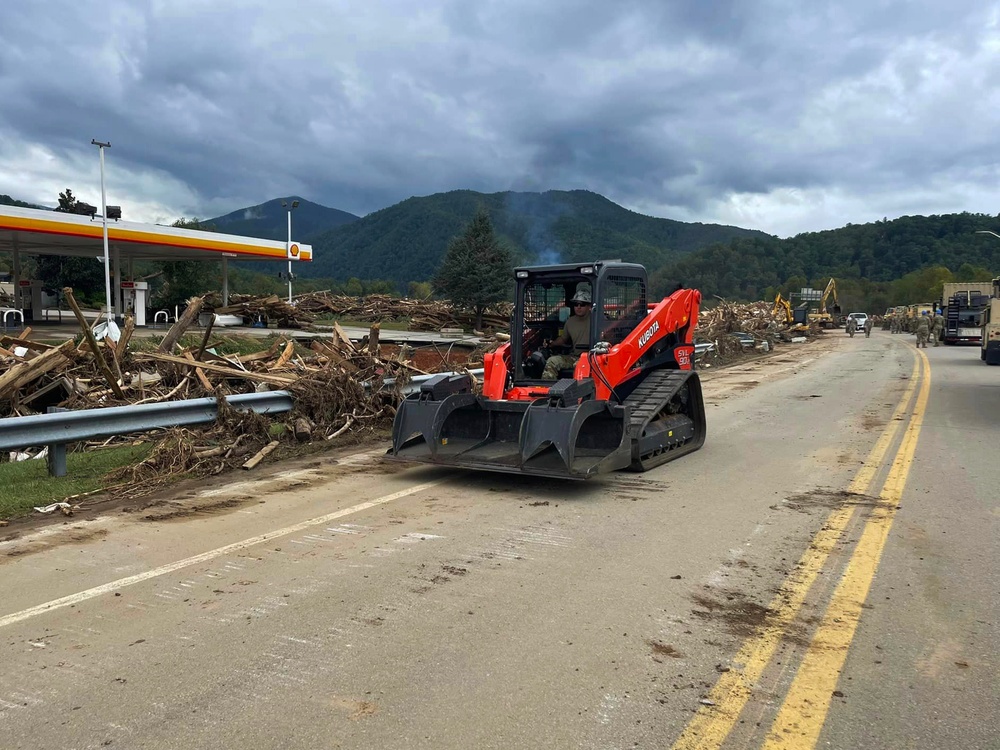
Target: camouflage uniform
x,y
868,327
577,335
937,326
923,331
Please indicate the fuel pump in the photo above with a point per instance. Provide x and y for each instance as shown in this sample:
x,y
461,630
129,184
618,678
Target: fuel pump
x,y
135,296
31,297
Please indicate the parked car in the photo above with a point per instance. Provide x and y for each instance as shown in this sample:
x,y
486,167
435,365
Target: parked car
x,y
859,320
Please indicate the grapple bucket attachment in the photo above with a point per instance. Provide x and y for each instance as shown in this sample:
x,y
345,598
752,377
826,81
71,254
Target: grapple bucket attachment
x,y
567,434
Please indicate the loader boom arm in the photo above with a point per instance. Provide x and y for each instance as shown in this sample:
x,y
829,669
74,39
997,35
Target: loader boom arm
x,y
831,288
667,332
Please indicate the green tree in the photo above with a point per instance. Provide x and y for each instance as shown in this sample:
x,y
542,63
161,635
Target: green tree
x,y
67,202
969,272
85,275
353,287
475,272
419,290
182,279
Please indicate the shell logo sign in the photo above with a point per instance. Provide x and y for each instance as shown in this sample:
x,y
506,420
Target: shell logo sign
x,y
293,251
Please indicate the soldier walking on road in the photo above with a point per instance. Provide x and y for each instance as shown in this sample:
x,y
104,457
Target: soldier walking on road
x,y
937,326
923,331
868,327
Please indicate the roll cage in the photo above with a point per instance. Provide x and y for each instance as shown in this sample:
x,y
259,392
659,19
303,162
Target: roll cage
x,y
619,303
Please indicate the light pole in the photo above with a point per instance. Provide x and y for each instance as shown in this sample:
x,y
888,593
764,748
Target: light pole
x,y
288,247
104,217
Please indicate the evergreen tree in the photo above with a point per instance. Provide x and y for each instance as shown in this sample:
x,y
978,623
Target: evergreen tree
x,y
67,201
475,272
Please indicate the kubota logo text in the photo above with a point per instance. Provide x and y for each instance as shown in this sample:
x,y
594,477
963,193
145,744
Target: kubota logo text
x,y
648,334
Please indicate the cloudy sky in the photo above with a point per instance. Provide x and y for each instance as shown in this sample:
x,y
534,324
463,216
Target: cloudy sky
x,y
780,115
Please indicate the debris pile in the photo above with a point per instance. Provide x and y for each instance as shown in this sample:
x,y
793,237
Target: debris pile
x,y
730,317
306,309
733,328
336,385
422,314
261,310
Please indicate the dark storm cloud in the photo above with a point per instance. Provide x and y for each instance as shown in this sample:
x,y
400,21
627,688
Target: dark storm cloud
x,y
778,115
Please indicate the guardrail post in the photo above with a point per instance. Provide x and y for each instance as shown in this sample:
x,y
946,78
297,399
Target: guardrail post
x,y
56,458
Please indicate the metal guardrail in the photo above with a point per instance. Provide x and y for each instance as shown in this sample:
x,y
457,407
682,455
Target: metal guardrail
x,y
700,350
60,427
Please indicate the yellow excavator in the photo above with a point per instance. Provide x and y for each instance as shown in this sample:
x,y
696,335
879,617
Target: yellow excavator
x,y
782,305
823,317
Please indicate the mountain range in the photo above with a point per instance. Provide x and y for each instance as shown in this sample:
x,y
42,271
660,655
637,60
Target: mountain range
x,y
885,262
269,220
407,241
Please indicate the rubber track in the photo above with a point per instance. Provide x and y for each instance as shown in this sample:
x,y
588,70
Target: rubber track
x,y
647,400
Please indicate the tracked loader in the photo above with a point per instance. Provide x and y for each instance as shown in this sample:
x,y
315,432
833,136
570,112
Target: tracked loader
x,y
631,398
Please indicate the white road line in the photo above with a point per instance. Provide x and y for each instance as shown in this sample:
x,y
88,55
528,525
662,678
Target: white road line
x,y
107,588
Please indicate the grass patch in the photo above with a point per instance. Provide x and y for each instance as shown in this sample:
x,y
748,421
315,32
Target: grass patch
x,y
25,484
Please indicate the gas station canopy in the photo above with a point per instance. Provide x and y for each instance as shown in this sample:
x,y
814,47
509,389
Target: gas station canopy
x,y
39,232
32,231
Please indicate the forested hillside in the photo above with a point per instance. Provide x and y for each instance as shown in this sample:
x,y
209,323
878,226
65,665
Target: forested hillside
x,y
406,242
875,265
269,221
885,262
6,200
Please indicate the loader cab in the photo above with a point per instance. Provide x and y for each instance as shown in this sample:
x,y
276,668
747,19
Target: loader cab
x,y
543,305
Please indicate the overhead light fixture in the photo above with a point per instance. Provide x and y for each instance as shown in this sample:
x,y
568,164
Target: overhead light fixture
x,y
114,212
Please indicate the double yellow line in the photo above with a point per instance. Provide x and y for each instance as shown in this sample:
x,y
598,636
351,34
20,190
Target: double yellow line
x,y
801,717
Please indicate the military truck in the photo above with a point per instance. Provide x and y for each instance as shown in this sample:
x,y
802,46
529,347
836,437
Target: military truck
x,y
963,304
989,348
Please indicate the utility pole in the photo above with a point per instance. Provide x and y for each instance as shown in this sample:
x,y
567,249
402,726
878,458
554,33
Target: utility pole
x,y
288,247
104,217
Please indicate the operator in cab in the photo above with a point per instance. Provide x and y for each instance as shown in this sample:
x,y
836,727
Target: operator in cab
x,y
576,334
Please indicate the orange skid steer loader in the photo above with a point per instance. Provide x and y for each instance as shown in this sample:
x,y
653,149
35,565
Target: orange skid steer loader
x,y
631,400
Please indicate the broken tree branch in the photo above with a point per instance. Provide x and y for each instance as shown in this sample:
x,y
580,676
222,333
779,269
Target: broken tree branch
x,y
102,363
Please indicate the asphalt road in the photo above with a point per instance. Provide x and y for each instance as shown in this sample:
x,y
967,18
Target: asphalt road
x,y
822,573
